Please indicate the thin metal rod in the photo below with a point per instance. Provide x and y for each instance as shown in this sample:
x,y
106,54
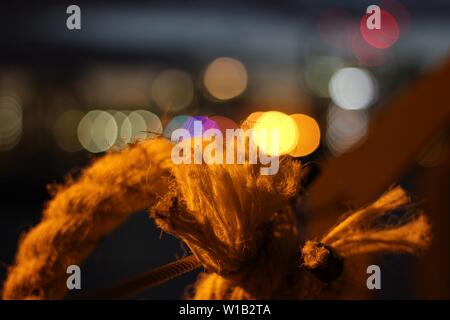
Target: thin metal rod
x,y
132,287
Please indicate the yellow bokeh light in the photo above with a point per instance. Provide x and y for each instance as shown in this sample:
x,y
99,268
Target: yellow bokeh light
x,y
225,78
251,120
275,133
308,135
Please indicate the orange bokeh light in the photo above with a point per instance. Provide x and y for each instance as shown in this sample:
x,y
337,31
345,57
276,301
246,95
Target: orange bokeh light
x,y
309,135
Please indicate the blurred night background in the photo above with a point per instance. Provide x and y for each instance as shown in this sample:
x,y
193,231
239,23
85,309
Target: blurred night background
x,y
67,96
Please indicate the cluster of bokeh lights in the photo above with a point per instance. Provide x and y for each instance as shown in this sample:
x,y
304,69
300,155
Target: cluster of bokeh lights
x,y
172,91
97,131
100,130
297,135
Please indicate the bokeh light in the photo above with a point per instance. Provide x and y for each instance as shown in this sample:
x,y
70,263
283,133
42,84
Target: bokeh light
x,y
10,122
97,131
384,37
173,90
251,120
135,128
224,123
352,88
122,122
346,129
152,122
176,123
206,124
308,135
141,124
225,78
283,141
65,130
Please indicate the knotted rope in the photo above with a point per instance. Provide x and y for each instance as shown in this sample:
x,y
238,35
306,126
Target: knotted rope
x,y
237,223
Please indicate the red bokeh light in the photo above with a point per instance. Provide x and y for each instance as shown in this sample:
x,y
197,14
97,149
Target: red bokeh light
x,y
384,37
224,123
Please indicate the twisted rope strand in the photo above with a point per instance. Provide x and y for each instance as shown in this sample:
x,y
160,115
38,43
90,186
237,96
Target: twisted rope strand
x,y
132,287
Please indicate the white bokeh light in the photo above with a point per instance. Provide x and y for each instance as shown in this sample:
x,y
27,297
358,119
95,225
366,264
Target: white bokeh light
x,y
346,129
97,131
352,88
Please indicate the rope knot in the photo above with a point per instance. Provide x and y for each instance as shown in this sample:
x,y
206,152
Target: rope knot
x,y
237,223
321,260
